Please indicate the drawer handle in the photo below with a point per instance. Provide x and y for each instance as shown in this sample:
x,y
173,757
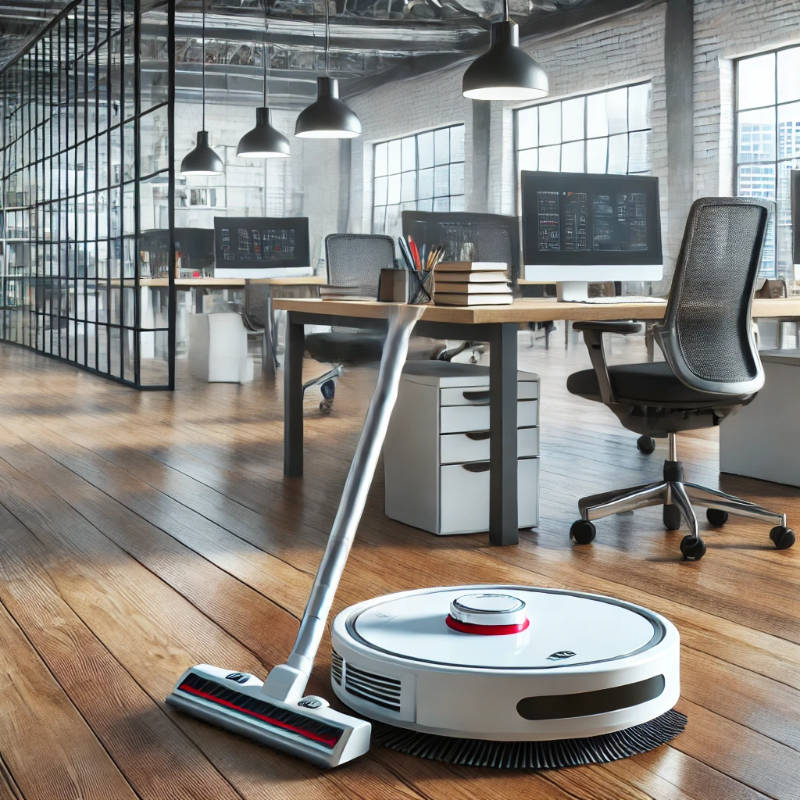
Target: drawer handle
x,y
478,436
481,466
484,395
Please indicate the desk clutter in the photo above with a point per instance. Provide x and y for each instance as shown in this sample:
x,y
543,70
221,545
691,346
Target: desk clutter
x,y
436,453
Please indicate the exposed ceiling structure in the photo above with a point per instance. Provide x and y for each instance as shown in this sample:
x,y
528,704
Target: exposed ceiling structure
x,y
370,40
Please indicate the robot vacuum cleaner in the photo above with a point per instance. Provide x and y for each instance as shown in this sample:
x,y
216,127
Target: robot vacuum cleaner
x,y
509,676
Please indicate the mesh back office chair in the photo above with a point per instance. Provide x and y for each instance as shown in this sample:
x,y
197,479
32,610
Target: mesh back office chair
x,y
353,260
490,237
712,368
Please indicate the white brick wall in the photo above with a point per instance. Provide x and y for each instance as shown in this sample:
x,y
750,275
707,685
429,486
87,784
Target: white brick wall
x,y
617,52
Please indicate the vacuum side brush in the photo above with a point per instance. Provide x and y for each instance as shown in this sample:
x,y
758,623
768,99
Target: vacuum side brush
x,y
275,712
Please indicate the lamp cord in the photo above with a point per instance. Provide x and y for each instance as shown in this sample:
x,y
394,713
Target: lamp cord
x,y
327,38
204,65
265,53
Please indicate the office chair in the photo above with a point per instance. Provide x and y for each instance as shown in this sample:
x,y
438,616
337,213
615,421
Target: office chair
x,y
353,260
256,320
712,368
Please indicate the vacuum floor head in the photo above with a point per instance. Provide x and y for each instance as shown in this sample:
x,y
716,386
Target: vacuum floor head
x,y
308,728
510,676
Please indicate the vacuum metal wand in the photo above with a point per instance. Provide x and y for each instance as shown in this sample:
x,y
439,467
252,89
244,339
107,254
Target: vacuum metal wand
x,y
288,681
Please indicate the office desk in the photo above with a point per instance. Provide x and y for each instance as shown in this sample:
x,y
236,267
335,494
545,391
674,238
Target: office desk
x,y
189,284
497,325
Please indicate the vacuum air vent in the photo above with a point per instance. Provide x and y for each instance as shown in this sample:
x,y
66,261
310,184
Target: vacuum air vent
x,y
371,686
336,667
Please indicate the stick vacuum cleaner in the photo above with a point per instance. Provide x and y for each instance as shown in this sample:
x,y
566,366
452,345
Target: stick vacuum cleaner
x,y
274,711
499,676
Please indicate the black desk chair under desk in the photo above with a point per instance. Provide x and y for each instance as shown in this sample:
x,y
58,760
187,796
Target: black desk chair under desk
x,y
712,368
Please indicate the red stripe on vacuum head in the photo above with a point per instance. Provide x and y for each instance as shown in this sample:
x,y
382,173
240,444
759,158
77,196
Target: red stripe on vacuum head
x,y
184,687
486,630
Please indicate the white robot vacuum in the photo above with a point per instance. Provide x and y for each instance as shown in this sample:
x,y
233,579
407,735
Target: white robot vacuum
x,y
509,676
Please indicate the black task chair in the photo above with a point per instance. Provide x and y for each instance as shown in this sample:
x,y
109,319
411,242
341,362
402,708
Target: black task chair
x,y
712,368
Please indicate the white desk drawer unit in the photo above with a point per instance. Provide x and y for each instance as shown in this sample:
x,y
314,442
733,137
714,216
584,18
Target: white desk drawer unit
x,y
436,454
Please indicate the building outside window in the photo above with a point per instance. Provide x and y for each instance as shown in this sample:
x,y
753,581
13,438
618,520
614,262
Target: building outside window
x,y
768,144
605,132
422,172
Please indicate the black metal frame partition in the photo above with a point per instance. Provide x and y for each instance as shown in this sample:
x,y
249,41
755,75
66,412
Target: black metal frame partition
x,y
87,114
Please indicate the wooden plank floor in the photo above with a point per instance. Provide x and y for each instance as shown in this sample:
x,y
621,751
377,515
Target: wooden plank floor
x,y
143,532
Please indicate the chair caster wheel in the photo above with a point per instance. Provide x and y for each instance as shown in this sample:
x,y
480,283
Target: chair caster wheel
x,y
325,406
693,548
582,531
717,517
782,537
671,516
328,390
646,444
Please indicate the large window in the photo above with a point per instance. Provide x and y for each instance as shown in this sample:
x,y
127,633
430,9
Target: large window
x,y
423,172
600,132
768,143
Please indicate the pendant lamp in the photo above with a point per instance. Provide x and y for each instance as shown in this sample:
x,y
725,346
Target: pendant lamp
x,y
202,160
263,141
328,117
505,71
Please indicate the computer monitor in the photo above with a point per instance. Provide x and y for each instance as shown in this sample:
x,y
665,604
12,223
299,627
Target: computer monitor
x,y
579,227
195,246
489,237
261,247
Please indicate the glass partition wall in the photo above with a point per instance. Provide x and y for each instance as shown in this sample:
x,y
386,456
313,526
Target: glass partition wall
x,y
87,185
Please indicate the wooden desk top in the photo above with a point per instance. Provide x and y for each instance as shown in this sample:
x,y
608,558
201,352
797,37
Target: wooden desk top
x,y
232,283
529,309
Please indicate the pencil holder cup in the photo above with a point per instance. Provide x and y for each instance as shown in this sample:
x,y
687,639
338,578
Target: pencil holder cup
x,y
422,287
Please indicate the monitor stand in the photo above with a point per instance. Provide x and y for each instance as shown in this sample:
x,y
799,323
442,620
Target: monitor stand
x,y
572,291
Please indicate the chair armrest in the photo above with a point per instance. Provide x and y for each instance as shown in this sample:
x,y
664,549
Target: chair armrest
x,y
593,336
613,326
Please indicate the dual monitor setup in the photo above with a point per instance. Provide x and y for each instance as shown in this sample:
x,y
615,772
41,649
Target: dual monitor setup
x,y
576,228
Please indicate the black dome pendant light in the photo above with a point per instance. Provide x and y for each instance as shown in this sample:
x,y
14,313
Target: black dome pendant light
x,y
328,117
263,141
505,71
202,160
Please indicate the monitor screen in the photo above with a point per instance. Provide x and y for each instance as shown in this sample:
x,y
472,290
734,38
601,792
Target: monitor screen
x,y
579,219
260,243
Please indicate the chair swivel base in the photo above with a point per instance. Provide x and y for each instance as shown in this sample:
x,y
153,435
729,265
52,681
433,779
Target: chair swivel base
x,y
677,498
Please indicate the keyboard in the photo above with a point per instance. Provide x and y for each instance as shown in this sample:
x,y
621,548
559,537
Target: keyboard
x,y
628,298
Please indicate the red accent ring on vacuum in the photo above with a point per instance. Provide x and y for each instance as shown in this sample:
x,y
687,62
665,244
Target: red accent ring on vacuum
x,y
486,630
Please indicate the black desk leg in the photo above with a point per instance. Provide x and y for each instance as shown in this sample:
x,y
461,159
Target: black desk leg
x,y
503,514
293,397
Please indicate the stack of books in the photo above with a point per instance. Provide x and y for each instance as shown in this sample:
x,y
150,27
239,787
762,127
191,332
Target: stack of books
x,y
472,283
354,292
